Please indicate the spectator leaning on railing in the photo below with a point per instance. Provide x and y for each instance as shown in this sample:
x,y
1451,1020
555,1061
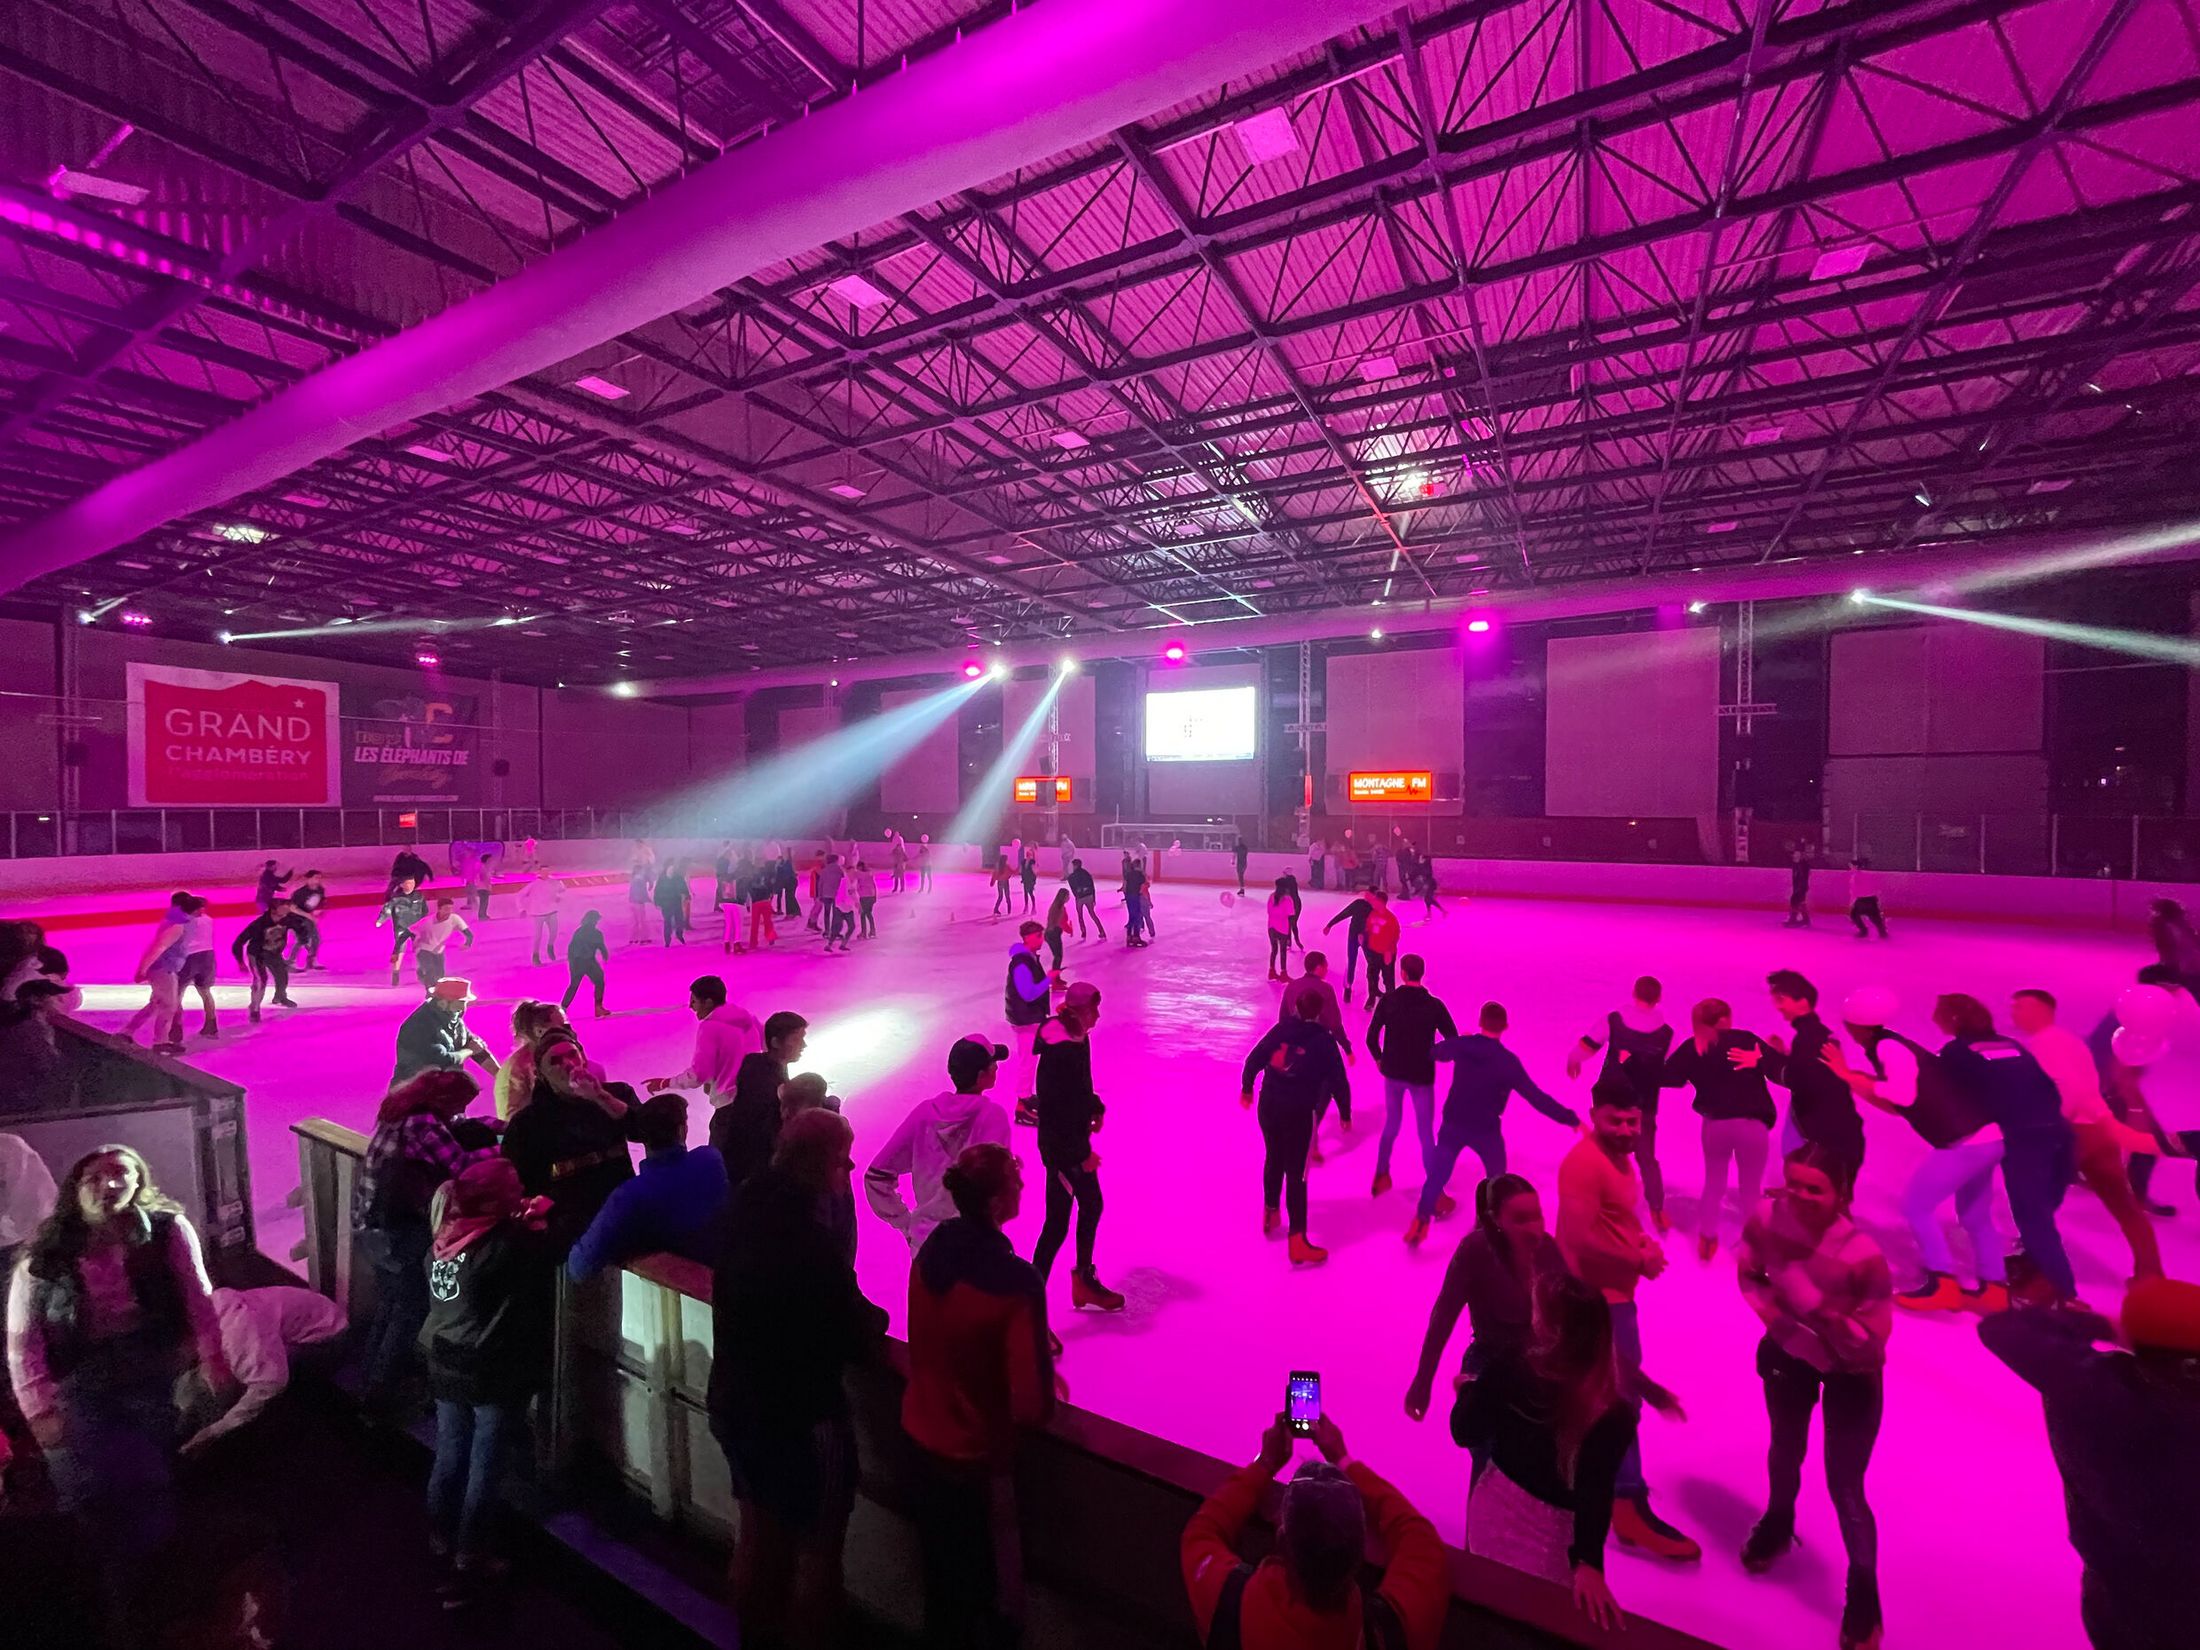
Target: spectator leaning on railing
x,y
1309,1595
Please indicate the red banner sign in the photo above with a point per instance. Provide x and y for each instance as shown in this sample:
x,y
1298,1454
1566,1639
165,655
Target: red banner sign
x,y
1031,787
209,739
1416,786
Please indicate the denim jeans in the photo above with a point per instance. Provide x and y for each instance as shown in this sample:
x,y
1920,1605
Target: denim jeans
x,y
1964,1172
1395,1090
2037,1166
400,1257
1488,1144
1629,1485
471,1443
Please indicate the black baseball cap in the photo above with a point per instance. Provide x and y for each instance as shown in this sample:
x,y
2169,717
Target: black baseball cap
x,y
971,1055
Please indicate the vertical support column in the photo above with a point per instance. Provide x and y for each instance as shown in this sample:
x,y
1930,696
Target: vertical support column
x,y
68,708
1304,834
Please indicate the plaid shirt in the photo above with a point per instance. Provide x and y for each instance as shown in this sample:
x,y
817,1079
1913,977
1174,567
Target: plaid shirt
x,y
1828,1299
422,1137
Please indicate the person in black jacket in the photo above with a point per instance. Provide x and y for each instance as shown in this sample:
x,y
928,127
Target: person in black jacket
x,y
746,1128
1068,1112
788,1322
1484,1075
1634,1039
1354,913
262,944
487,1347
1727,1070
1303,1073
585,951
1027,998
1820,1106
1082,889
569,1142
1402,1035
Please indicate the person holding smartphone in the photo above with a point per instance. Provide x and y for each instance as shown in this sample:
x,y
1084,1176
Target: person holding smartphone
x,y
1309,1591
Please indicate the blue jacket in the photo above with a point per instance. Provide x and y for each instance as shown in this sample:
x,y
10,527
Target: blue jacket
x,y
1484,1075
675,1204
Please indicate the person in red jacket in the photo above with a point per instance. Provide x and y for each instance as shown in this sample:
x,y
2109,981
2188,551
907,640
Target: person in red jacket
x,y
981,1368
1382,946
1308,1594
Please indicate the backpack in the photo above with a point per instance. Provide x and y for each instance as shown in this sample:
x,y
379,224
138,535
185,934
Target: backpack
x,y
1380,1626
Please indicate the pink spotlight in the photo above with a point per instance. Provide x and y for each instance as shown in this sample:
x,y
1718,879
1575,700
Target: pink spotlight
x,y
135,619
427,659
972,671
1478,627
1174,653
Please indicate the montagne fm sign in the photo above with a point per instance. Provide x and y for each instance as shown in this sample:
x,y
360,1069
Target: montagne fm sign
x,y
211,739
1415,785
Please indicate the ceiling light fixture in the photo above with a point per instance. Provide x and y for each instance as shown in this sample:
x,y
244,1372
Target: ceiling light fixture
x,y
1070,441
1376,368
1837,261
845,489
1266,135
241,532
68,183
597,384
857,292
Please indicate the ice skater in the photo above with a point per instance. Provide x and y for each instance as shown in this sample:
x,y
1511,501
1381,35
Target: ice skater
x,y
433,937
1634,1040
1238,857
160,970
1279,933
1087,896
261,945
1300,1072
540,899
1027,870
584,955
1484,1075
1821,1287
1494,1277
1354,914
1726,1069
1402,1035
1602,1238
403,910
1004,904
1864,898
1820,1106
641,882
932,1136
307,899
1313,987
1069,1111
1964,1148
1027,997
1800,859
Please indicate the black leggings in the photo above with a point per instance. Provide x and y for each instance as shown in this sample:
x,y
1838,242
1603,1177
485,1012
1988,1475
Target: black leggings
x,y
1080,1186
1288,1129
1853,1405
1054,945
1867,910
591,971
1279,952
864,903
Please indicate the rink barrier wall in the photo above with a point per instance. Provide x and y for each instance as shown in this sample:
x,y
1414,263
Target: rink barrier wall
x,y
138,884
1104,1505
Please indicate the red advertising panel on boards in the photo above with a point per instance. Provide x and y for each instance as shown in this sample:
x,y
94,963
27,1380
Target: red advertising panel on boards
x,y
211,739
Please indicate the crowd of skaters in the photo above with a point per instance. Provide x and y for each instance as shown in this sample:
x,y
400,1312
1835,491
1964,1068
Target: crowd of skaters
x,y
466,1218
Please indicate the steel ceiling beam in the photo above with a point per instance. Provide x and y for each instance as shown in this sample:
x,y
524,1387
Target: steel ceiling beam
x,y
1011,94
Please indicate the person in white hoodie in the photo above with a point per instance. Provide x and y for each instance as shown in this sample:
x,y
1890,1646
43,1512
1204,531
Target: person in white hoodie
x,y
932,1136
539,901
725,1035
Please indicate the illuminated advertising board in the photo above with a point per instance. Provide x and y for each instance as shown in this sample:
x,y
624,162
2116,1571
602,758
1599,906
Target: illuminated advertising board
x,y
1416,786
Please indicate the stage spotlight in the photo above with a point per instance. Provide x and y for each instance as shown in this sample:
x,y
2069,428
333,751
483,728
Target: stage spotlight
x,y
135,619
1376,634
624,690
427,659
1478,627
1069,667
1860,597
1697,607
972,671
1174,653
225,637
998,672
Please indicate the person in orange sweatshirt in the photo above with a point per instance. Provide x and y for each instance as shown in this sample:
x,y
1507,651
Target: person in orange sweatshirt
x,y
1307,1594
1382,946
1600,1232
981,1369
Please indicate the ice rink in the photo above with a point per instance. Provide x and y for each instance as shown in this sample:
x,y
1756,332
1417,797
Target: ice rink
x,y
1972,1538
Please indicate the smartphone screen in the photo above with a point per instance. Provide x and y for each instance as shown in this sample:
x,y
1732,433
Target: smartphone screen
x,y
1302,1402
